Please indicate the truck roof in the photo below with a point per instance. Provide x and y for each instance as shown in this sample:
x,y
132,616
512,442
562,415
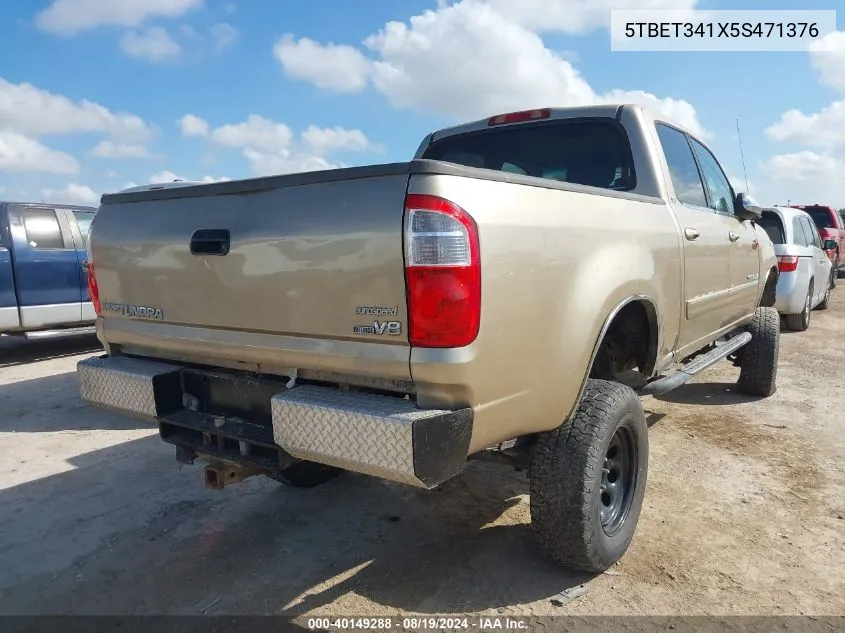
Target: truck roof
x,y
606,110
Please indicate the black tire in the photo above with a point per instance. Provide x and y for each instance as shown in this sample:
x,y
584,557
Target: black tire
x,y
759,360
801,321
570,467
826,300
306,474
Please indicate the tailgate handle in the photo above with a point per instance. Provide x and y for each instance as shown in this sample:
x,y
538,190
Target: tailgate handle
x,y
210,242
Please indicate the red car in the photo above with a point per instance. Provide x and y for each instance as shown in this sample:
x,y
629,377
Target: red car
x,y
831,226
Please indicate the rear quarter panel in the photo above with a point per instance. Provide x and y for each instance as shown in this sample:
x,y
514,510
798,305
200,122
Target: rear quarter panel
x,y
555,265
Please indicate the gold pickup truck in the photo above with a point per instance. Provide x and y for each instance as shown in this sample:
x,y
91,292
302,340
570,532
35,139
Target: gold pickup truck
x,y
512,290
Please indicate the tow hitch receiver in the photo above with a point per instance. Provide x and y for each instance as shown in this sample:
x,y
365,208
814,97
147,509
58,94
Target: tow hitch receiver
x,y
218,476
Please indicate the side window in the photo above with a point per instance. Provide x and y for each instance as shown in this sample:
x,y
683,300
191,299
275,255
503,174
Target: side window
x,y
42,229
811,233
721,192
83,221
682,168
799,238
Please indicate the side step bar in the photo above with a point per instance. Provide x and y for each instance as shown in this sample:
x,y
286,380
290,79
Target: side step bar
x,y
696,365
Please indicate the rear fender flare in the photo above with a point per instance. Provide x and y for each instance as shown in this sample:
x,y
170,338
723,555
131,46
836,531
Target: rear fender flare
x,y
655,345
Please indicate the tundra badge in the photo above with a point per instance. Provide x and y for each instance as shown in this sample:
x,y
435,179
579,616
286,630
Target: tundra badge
x,y
145,312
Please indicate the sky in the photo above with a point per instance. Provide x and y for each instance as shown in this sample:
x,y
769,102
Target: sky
x,y
100,95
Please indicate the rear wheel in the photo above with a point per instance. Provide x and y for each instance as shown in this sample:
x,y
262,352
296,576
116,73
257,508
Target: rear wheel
x,y
759,358
588,479
801,321
306,474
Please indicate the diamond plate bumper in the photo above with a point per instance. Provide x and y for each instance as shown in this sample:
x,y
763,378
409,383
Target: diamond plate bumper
x,y
376,435
372,434
138,388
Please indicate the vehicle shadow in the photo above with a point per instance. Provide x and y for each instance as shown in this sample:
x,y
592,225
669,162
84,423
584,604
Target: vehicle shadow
x,y
52,403
129,531
16,350
706,393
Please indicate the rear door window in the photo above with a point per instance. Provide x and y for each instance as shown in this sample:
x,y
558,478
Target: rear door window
x,y
686,179
586,152
799,238
771,223
811,233
42,229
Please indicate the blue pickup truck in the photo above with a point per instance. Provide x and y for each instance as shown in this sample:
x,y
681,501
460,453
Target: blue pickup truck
x,y
43,260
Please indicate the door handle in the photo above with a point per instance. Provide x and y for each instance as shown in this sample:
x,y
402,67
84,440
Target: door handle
x,y
85,263
210,242
732,236
691,233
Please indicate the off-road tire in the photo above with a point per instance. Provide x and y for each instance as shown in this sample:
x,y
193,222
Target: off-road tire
x,y
801,322
826,301
306,474
566,478
759,360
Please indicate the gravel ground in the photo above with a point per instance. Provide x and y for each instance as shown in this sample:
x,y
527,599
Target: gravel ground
x,y
743,513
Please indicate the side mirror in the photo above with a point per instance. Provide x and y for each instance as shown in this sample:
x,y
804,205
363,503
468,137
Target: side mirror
x,y
829,245
746,208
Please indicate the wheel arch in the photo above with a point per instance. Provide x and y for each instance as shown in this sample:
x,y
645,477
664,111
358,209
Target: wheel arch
x,y
653,319
769,294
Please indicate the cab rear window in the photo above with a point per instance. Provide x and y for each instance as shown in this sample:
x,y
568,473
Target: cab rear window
x,y
593,153
822,217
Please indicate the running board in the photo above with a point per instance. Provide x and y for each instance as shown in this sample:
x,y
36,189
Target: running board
x,y
696,365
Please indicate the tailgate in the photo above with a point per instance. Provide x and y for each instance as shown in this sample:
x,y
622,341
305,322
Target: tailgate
x,y
307,255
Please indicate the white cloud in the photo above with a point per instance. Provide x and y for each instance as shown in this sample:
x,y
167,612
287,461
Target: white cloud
x,y
340,68
503,67
68,17
20,153
284,162
828,57
153,44
168,176
272,148
327,140
72,193
192,125
35,112
256,132
825,128
805,177
575,17
108,149
224,34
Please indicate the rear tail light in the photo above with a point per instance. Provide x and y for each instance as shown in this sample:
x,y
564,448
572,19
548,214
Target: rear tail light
x,y
442,272
787,263
93,289
519,117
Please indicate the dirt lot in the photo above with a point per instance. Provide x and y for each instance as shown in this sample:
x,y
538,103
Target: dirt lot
x,y
743,513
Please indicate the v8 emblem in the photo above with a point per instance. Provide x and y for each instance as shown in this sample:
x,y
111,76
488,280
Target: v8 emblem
x,y
391,328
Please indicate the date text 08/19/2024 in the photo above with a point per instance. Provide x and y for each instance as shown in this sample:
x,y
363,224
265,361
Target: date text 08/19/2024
x,y
480,623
